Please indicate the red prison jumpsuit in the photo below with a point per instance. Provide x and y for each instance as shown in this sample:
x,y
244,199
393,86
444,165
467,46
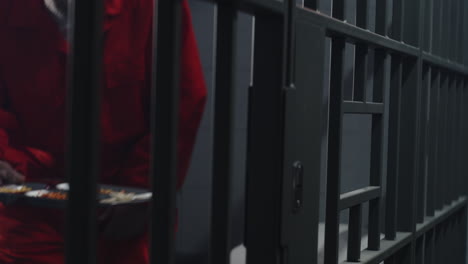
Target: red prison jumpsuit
x,y
33,55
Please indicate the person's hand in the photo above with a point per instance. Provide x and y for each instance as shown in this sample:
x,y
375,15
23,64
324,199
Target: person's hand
x,y
8,175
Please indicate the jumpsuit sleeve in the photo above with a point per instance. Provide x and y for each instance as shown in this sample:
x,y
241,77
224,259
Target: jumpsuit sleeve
x,y
192,101
26,160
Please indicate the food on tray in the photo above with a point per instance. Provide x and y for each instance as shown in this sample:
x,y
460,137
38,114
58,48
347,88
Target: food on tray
x,y
14,189
54,195
119,197
109,191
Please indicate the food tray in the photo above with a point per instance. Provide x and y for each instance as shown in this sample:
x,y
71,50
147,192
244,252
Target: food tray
x,y
55,196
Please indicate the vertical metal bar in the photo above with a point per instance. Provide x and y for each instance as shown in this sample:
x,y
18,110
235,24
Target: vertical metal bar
x,y
397,20
428,24
442,143
265,143
381,18
223,132
447,28
461,137
377,154
360,72
436,26
420,251
433,142
408,146
459,33
422,177
83,132
411,22
289,42
164,127
312,4
355,233
429,247
361,14
338,9
334,151
393,148
449,157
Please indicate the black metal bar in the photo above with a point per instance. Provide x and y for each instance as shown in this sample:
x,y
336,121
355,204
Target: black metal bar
x,y
289,42
223,132
429,247
422,175
411,22
361,14
433,139
353,198
350,107
381,18
397,20
83,132
393,148
164,127
407,153
334,151
419,251
360,74
436,26
442,142
265,143
427,25
338,9
355,233
377,155
312,4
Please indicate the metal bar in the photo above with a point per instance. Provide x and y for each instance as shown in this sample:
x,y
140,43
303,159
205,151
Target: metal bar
x,y
360,74
442,142
354,233
353,198
436,37
338,9
419,251
397,20
459,139
265,143
361,14
408,139
83,132
312,4
377,155
223,132
443,63
422,175
381,18
164,128
428,24
429,247
334,151
350,107
289,42
411,22
393,148
433,146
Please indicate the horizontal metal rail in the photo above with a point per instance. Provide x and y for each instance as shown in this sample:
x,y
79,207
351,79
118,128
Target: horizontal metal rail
x,y
359,196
